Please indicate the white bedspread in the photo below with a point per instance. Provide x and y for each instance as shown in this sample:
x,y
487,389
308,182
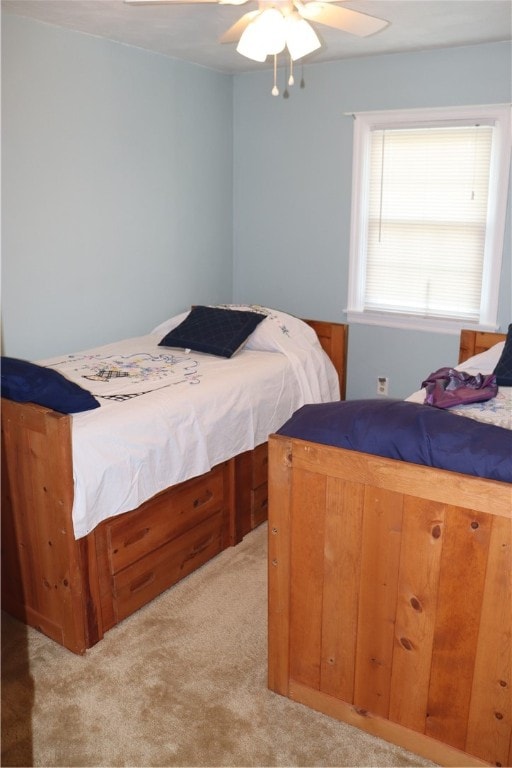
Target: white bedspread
x,y
168,415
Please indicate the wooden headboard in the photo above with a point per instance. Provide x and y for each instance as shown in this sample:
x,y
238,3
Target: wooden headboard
x,y
334,340
474,342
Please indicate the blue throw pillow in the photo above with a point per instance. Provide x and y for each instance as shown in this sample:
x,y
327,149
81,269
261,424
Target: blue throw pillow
x,y
503,370
213,330
404,431
28,382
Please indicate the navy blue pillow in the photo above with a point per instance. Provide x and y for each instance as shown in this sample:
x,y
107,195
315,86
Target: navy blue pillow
x,y
28,382
398,429
213,330
503,368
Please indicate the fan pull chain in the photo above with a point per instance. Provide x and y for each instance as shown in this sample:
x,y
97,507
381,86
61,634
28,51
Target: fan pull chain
x,y
286,95
275,89
291,79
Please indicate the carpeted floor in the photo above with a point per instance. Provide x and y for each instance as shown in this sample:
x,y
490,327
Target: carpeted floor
x,y
180,683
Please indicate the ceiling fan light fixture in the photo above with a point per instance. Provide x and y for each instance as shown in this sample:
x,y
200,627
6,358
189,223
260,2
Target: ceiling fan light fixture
x,y
265,36
250,46
301,38
272,28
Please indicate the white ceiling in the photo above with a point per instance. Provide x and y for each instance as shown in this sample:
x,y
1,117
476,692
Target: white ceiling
x,y
192,32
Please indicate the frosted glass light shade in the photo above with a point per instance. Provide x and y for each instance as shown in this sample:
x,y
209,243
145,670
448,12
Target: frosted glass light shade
x,y
250,44
272,28
301,38
265,36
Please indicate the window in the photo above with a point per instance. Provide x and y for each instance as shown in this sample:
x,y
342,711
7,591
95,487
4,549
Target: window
x,y
429,205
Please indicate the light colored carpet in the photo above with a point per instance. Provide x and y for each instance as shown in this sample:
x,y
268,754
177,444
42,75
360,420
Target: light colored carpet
x,y
180,683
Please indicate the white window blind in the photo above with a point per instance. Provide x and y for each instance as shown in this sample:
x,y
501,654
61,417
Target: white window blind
x,y
427,218
427,231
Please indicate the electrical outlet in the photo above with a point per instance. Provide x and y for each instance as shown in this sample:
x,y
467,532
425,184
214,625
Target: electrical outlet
x,y
382,385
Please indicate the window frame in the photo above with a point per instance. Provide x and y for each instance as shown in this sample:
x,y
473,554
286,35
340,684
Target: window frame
x,y
364,124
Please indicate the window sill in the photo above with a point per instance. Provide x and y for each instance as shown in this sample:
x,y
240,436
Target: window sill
x,y
413,323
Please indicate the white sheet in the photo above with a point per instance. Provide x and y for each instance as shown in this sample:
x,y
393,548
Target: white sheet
x,y
167,415
498,410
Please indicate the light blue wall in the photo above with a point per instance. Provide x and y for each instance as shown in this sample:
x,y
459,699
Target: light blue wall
x,y
134,185
292,185
117,189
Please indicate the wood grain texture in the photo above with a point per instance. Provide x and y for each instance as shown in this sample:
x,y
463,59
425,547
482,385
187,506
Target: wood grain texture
x,y
306,583
418,586
279,566
380,557
343,528
465,543
440,754
473,342
51,591
397,607
490,713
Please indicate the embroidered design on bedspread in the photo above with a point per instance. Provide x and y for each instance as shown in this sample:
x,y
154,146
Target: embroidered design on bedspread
x,y
497,411
282,327
117,377
106,374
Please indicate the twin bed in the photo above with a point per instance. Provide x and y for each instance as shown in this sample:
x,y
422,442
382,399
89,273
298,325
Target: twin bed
x,y
104,509
390,595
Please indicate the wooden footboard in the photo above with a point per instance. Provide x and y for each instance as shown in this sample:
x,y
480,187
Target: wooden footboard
x,y
75,590
42,567
390,603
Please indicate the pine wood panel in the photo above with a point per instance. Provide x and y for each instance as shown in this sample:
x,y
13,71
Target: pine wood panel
x,y
412,479
420,555
439,753
490,714
395,609
306,583
343,529
466,538
52,589
279,492
380,556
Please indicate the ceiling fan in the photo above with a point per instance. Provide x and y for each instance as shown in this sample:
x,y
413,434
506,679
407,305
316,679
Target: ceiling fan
x,y
285,24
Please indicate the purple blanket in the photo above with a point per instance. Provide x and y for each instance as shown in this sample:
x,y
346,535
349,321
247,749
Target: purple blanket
x,y
410,432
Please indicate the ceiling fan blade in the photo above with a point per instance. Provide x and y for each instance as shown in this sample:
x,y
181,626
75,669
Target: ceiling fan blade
x,y
354,22
166,2
233,34
183,2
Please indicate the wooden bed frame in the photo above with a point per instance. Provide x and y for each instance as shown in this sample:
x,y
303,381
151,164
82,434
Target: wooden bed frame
x,y
75,590
390,596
